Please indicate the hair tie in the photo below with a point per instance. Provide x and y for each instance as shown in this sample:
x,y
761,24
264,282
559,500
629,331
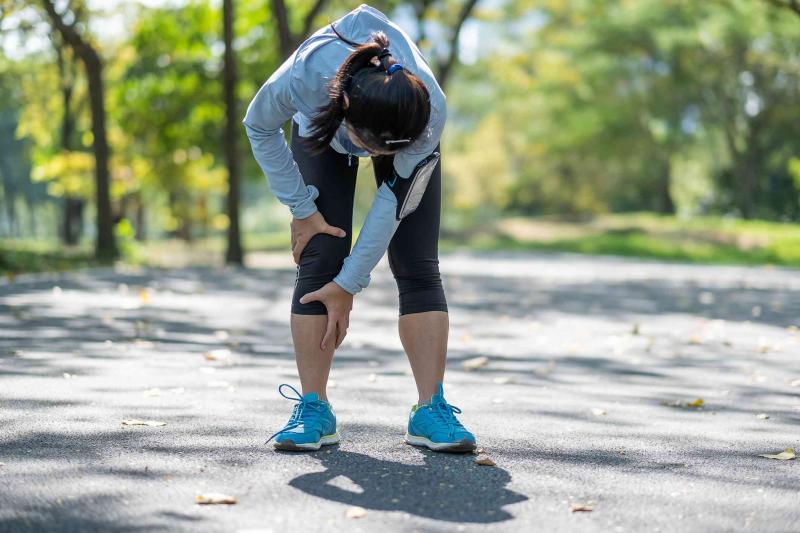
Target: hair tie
x,y
394,68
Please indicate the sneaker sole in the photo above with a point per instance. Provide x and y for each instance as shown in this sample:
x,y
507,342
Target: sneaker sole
x,y
289,444
460,446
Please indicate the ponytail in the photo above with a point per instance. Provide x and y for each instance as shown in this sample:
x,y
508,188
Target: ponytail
x,y
375,98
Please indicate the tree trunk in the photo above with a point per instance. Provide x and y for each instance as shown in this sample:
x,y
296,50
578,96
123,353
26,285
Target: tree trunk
x,y
234,253
664,203
105,247
72,220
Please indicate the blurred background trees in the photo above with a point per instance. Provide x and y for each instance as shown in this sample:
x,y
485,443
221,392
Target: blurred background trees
x,y
120,120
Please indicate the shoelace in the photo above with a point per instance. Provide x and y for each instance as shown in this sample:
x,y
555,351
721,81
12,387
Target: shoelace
x,y
299,413
445,412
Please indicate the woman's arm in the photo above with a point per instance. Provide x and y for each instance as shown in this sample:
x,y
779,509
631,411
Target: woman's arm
x,y
373,240
269,110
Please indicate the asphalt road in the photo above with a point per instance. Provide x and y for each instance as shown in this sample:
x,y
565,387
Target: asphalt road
x,y
584,353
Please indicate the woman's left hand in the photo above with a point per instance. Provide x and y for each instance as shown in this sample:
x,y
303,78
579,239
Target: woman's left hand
x,y
339,303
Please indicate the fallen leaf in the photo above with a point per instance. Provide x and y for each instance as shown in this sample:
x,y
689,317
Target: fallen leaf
x,y
762,416
213,498
137,422
485,461
218,355
785,455
582,507
596,411
144,296
474,364
681,403
355,512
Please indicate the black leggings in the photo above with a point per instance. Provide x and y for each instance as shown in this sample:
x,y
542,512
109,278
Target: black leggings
x,y
413,251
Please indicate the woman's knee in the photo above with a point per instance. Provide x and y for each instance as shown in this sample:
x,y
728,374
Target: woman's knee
x,y
320,262
419,286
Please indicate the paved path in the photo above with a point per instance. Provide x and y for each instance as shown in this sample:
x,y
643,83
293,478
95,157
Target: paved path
x,y
582,354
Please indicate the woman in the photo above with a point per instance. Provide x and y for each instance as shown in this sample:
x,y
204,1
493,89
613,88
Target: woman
x,y
359,87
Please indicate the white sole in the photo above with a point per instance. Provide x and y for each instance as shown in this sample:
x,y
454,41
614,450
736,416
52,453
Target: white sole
x,y
326,440
459,446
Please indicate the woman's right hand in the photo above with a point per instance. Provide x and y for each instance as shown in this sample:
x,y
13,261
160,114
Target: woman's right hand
x,y
303,229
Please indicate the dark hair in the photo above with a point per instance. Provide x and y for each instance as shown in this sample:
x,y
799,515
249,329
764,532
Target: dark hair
x,y
382,106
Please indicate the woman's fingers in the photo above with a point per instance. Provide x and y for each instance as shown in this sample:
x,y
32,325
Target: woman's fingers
x,y
333,230
297,249
310,297
330,332
341,331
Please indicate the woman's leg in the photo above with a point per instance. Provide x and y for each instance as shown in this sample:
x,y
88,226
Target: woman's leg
x,y
321,260
414,260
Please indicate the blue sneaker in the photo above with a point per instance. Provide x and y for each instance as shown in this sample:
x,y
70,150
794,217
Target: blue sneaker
x,y
435,426
311,425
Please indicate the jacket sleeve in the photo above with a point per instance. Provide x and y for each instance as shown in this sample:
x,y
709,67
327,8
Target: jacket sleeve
x,y
373,240
271,107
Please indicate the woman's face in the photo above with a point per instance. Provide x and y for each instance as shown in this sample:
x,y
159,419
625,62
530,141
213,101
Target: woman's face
x,y
352,133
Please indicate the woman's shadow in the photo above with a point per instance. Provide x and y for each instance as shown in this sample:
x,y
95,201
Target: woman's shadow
x,y
446,487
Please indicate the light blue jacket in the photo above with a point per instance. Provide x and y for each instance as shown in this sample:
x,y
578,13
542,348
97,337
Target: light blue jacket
x,y
297,89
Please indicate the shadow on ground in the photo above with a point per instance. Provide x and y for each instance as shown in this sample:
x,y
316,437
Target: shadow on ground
x,y
423,490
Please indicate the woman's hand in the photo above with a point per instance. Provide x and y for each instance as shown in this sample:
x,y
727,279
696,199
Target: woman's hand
x,y
305,228
339,303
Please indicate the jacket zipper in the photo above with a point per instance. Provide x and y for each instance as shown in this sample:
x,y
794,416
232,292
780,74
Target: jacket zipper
x,y
349,157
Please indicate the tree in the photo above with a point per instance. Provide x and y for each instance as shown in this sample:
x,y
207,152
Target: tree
x,y
234,252
288,39
105,248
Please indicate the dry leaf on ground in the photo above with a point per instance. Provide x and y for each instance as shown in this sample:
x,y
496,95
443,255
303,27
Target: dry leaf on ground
x,y
220,354
475,363
355,512
213,498
681,403
485,461
582,507
137,422
785,455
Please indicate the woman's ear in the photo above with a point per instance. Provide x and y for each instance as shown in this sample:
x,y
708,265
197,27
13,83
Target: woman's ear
x,y
346,100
